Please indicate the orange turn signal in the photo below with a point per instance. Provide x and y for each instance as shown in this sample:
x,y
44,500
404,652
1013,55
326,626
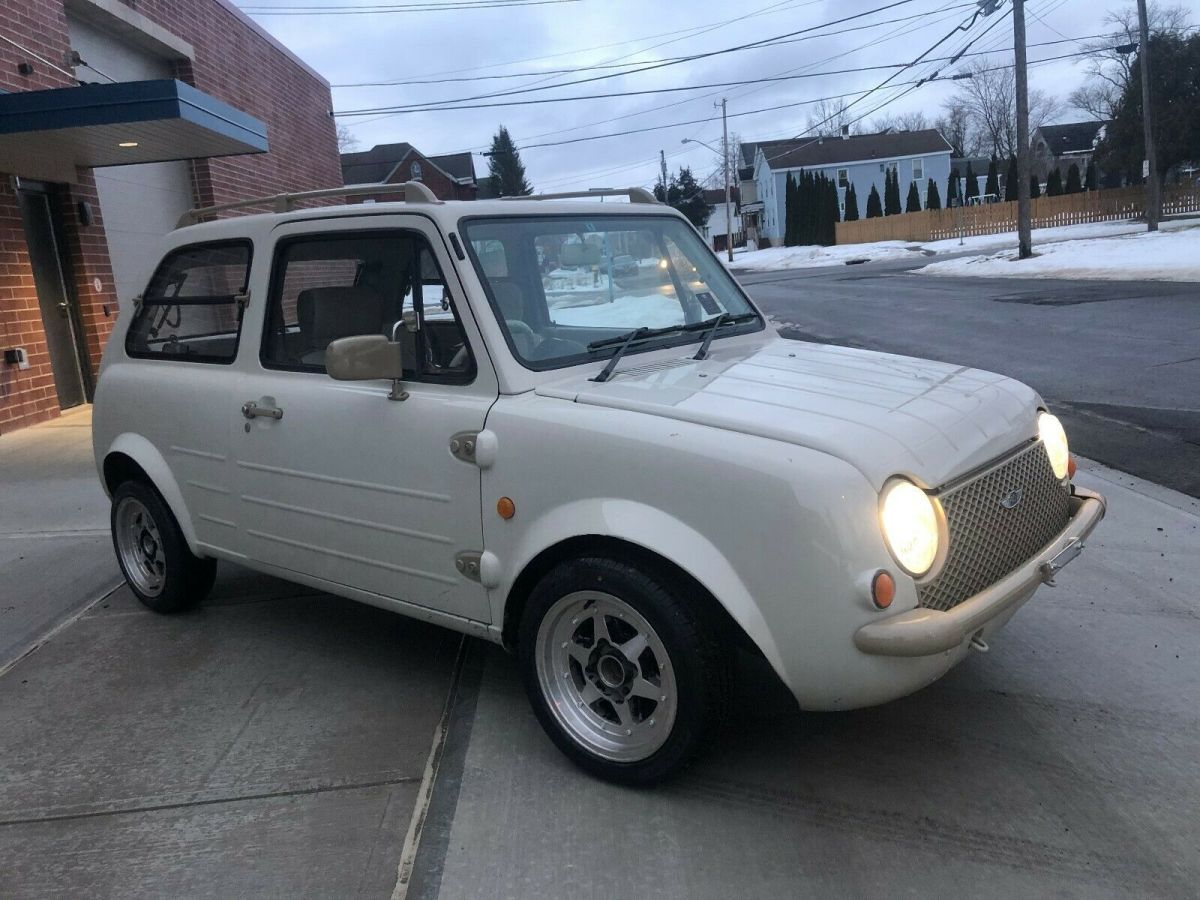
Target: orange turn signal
x,y
1070,467
883,589
505,508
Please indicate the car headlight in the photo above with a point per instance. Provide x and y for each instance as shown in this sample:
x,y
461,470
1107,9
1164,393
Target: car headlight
x,y
1051,432
909,520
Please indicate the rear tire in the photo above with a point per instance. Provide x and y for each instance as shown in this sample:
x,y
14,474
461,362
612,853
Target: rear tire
x,y
622,669
153,553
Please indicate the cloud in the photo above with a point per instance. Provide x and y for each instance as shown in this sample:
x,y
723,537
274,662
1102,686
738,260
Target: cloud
x,y
355,48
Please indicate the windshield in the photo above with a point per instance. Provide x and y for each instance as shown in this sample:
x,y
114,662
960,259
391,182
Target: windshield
x,y
560,283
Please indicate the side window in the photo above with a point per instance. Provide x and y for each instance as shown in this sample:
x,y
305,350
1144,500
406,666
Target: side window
x,y
332,286
192,308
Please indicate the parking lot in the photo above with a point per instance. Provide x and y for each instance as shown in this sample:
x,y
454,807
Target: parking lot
x,y
277,742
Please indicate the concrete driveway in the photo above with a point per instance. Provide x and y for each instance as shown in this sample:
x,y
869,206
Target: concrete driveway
x,y
277,742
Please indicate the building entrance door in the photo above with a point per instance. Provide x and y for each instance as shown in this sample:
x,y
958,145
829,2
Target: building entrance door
x,y
59,315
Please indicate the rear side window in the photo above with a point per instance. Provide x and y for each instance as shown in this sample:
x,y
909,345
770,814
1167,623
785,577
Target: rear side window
x,y
192,309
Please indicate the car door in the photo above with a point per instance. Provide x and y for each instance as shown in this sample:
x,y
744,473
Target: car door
x,y
345,481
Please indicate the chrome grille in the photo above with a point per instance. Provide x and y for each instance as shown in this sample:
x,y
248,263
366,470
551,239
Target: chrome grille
x,y
988,541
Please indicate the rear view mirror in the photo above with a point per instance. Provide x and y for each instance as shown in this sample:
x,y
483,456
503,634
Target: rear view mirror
x,y
364,357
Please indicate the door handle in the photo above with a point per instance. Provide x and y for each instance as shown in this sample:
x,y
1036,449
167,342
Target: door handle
x,y
252,410
64,310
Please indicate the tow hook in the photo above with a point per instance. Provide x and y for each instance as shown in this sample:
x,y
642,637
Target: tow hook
x,y
978,643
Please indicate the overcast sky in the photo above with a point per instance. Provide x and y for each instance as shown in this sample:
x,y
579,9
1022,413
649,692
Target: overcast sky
x,y
456,44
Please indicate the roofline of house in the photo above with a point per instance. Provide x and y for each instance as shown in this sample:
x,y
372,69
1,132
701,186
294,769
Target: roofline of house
x,y
851,162
411,150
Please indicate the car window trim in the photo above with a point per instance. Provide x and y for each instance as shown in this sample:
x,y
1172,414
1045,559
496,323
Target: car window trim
x,y
464,224
281,244
157,302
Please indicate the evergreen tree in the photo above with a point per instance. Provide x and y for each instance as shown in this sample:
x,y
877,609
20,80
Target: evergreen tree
x,y
952,188
851,205
993,179
891,193
1074,185
685,195
912,203
874,207
1035,189
789,212
972,183
1089,178
1010,179
832,215
932,199
1054,184
505,167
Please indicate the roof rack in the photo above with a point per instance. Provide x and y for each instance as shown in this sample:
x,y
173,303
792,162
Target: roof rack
x,y
635,195
413,191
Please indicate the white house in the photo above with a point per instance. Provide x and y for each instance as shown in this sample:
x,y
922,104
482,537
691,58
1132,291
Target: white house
x,y
858,159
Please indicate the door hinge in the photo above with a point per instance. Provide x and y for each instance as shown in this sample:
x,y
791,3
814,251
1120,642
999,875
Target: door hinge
x,y
478,447
467,563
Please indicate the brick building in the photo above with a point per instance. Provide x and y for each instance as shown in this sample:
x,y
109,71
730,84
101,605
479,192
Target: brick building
x,y
450,177
115,117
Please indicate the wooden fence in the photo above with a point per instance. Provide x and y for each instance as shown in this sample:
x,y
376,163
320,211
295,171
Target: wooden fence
x,y
994,218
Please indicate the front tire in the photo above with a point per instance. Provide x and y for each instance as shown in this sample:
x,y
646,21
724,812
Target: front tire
x,y
621,668
153,553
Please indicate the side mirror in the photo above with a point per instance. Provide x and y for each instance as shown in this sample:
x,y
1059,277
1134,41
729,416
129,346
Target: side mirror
x,y
365,357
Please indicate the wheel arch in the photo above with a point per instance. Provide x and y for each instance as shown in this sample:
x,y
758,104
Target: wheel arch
x,y
734,613
131,456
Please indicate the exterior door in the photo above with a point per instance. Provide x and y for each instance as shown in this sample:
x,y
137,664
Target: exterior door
x,y
58,311
337,481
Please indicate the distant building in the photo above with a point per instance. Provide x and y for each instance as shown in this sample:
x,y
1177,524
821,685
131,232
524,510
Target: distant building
x,y
450,177
979,168
714,230
1057,146
858,159
750,207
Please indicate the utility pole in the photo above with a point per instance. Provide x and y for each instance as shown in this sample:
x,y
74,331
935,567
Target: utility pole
x,y
1151,173
725,166
1024,228
662,159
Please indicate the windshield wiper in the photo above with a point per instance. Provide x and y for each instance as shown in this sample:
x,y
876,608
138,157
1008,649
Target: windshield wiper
x,y
722,319
626,340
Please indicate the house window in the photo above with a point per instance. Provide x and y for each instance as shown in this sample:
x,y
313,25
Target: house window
x,y
892,166
918,170
843,177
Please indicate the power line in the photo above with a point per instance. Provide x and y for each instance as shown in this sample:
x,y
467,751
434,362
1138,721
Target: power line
x,y
719,84
751,45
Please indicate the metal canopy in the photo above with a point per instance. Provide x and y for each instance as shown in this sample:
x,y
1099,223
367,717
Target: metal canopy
x,y
46,134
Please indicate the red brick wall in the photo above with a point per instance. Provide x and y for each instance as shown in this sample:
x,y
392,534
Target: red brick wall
x,y
232,61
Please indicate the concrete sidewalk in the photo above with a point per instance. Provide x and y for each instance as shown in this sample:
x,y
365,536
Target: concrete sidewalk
x,y
1065,762
274,741
55,552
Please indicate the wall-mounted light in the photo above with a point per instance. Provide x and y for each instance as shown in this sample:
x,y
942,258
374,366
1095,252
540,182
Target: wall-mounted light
x,y
128,144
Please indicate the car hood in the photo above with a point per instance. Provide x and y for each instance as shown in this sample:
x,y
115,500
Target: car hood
x,y
884,414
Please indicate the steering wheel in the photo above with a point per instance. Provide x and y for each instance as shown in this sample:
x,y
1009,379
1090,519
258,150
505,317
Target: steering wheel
x,y
516,326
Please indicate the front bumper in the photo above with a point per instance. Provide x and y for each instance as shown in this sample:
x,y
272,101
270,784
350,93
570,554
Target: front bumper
x,y
925,632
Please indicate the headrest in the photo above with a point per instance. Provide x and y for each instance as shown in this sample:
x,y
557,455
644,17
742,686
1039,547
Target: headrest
x,y
328,313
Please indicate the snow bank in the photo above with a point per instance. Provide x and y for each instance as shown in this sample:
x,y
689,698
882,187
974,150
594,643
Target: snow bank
x,y
636,311
806,257
774,258
1161,256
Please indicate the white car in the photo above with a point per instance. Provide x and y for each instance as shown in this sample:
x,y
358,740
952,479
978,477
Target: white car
x,y
379,401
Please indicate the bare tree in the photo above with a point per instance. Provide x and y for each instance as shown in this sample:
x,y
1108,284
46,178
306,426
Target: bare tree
x,y
828,117
347,142
989,99
717,178
908,121
955,126
1107,68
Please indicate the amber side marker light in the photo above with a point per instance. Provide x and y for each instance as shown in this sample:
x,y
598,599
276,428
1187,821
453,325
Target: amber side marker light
x,y
1071,467
505,508
883,589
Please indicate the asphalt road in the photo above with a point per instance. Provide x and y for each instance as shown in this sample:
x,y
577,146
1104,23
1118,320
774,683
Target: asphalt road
x,y
1119,361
